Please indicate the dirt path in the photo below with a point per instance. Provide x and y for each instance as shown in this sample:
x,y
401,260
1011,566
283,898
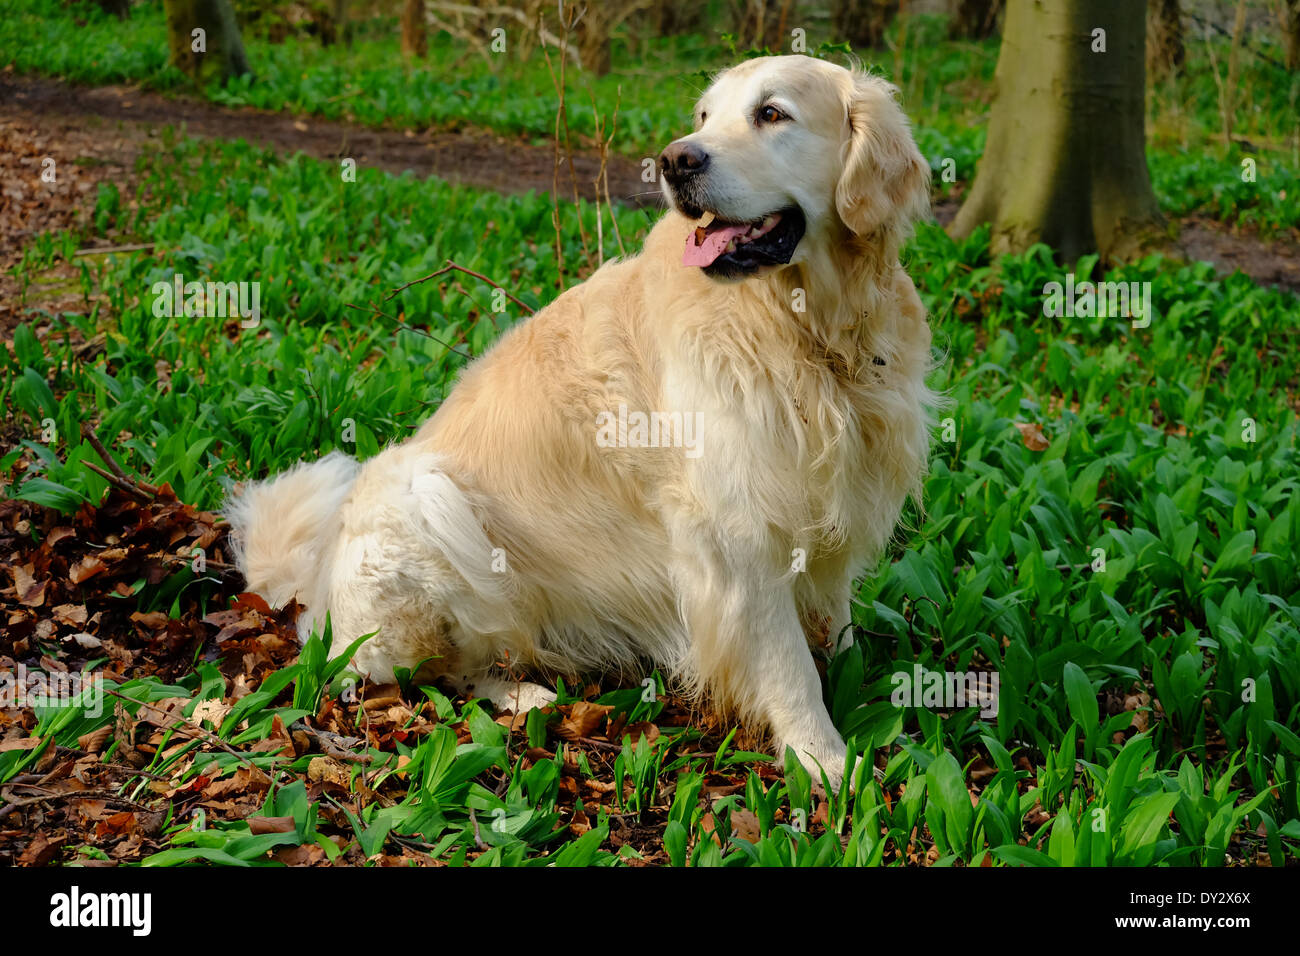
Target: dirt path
x,y
1270,262
472,157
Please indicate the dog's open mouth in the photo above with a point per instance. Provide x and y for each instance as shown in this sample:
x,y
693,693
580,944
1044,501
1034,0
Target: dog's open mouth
x,y
725,249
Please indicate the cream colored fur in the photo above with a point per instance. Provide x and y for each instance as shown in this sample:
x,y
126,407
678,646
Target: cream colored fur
x,y
502,531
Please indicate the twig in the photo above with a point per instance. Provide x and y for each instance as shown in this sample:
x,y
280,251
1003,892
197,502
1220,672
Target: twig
x,y
911,626
555,171
478,839
365,773
191,731
562,125
1228,99
220,566
140,487
858,629
107,249
94,794
604,167
1206,25
36,781
117,482
89,434
410,328
331,744
480,11
472,41
470,272
602,174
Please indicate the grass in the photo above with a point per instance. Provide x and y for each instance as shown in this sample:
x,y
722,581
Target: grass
x,y
946,87
1134,583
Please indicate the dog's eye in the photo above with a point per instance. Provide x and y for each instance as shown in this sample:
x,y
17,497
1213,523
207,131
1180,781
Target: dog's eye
x,y
770,114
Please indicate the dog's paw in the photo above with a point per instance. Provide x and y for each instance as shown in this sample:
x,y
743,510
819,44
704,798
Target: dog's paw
x,y
518,696
829,763
523,697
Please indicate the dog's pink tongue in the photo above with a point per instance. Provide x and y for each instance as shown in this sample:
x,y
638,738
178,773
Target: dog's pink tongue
x,y
715,240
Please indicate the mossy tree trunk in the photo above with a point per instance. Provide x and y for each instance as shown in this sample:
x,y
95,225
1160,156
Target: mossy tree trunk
x,y
1165,50
215,54
339,17
1065,159
415,32
1288,14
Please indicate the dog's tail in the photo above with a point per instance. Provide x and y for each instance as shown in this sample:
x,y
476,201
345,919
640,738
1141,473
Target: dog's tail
x,y
283,529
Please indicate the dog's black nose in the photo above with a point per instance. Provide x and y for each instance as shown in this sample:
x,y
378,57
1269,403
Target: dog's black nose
x,y
682,159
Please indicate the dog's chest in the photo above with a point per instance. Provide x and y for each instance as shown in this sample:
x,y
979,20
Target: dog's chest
x,y
855,452
821,448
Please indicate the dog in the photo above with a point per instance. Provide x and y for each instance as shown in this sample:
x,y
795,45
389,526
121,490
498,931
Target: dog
x,y
684,461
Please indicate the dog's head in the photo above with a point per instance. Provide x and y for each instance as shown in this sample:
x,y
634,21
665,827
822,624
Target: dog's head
x,y
788,153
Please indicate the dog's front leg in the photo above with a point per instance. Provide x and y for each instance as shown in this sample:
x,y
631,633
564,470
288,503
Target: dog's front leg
x,y
749,647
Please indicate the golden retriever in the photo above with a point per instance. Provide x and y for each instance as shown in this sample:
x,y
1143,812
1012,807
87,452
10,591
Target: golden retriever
x,y
683,461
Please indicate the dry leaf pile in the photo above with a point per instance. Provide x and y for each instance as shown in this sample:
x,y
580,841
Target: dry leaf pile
x,y
71,599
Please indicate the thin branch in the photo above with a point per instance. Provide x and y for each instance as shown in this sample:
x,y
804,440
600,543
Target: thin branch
x,y
190,730
410,328
332,744
106,250
480,11
604,165
1206,25
470,272
88,433
116,482
471,40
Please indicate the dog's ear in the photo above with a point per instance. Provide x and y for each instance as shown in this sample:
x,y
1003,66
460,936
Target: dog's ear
x,y
885,182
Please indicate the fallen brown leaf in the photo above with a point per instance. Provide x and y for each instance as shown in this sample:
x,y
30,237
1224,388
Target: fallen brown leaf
x,y
1032,435
259,825
582,718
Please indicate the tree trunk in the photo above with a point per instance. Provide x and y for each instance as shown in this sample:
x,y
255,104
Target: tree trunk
x,y
341,26
862,22
1289,15
762,24
1065,159
326,26
217,53
593,30
975,19
1165,52
591,35
415,32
